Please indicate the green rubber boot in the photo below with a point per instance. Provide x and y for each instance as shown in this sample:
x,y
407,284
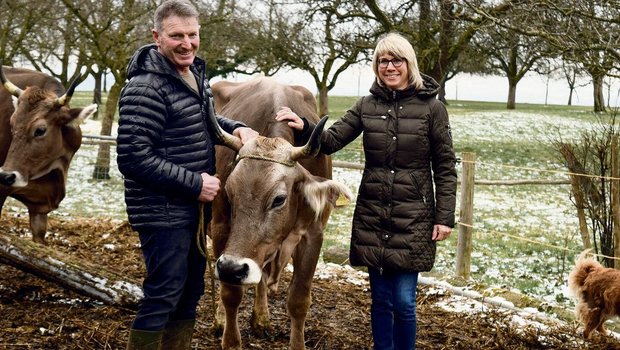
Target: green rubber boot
x,y
144,340
178,335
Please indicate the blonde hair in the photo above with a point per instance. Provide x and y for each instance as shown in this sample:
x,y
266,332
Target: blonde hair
x,y
396,45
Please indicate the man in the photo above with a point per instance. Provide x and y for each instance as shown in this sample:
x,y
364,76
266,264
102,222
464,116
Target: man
x,y
168,160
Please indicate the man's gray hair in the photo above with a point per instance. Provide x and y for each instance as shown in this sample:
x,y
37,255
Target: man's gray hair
x,y
180,8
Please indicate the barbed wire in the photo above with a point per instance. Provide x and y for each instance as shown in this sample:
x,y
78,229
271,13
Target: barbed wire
x,y
541,170
344,164
529,240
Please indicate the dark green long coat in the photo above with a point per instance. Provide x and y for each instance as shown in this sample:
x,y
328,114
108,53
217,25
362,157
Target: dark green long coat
x,y
409,180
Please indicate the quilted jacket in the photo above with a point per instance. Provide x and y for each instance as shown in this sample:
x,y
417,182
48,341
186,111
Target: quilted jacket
x,y
409,179
163,145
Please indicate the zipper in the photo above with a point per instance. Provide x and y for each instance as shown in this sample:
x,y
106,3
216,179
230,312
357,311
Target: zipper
x,y
382,254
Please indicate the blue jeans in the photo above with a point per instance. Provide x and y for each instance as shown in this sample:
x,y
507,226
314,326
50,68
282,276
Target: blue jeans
x,y
174,279
393,310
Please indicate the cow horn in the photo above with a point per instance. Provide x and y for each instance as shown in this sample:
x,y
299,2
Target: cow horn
x,y
12,88
64,99
312,147
222,137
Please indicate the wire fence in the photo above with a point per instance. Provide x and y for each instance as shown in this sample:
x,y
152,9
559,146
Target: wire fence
x,y
88,197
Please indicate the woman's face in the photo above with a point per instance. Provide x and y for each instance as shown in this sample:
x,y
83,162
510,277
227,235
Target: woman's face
x,y
393,72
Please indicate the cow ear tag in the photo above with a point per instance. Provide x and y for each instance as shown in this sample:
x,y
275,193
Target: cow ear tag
x,y
342,200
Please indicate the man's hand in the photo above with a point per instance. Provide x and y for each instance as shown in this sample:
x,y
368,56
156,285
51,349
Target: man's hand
x,y
210,188
294,121
245,134
441,232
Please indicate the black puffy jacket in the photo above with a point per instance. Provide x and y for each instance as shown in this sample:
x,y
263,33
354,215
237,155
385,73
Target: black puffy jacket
x,y
409,179
163,145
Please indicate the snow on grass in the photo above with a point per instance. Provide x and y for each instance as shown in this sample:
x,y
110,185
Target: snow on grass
x,y
513,126
508,144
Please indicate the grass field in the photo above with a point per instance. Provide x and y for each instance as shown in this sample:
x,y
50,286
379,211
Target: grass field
x,y
525,237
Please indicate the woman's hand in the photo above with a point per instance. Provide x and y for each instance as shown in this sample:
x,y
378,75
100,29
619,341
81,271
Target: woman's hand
x,y
294,121
441,232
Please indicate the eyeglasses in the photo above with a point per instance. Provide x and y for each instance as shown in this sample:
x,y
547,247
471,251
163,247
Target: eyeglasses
x,y
396,62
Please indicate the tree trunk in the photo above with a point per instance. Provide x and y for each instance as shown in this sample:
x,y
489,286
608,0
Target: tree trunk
x,y
441,96
102,166
599,99
97,93
512,94
323,101
69,272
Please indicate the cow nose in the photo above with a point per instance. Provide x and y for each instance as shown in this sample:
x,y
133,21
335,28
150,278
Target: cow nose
x,y
229,271
7,179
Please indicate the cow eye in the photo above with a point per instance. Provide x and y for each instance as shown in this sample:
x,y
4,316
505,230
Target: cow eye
x,y
40,131
278,201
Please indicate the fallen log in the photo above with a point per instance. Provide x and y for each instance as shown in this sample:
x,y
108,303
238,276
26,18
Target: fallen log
x,y
69,272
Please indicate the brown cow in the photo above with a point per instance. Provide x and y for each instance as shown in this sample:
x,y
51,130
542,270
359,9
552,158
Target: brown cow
x,y
276,201
39,134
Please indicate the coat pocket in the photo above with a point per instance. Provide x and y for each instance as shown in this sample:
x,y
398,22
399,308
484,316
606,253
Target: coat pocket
x,y
417,188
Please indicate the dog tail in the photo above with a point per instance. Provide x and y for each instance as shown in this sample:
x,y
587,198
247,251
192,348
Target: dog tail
x,y
583,266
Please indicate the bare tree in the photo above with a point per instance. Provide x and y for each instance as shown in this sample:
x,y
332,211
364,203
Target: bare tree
x,y
512,53
55,48
321,37
571,71
16,25
441,31
589,162
112,30
236,38
582,31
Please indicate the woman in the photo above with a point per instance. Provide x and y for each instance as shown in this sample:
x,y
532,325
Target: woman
x,y
407,194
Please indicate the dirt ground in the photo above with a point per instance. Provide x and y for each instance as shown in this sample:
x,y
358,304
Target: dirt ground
x,y
36,314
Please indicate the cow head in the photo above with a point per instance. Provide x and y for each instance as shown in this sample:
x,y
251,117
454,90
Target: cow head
x,y
272,198
45,133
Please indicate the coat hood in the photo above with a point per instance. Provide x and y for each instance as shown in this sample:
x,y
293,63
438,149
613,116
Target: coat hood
x,y
429,90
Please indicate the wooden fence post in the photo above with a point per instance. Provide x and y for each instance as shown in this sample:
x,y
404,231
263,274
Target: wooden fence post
x,y
615,199
463,248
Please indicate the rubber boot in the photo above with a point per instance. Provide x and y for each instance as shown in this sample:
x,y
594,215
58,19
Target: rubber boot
x,y
144,340
178,335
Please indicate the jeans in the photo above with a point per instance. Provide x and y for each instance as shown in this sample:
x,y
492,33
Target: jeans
x,y
393,310
175,278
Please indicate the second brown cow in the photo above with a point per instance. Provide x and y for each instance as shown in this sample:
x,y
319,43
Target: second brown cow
x,y
275,204
39,134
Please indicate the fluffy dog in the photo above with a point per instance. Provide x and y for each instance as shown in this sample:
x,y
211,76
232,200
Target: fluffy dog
x,y
597,289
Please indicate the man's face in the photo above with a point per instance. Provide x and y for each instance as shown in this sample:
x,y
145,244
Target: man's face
x,y
178,40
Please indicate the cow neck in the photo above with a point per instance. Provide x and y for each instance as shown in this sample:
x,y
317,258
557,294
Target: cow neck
x,y
259,157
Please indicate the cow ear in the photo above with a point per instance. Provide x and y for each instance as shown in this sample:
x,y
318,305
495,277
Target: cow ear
x,y
319,192
80,114
15,101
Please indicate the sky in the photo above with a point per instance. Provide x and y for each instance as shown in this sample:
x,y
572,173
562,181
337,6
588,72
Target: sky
x,y
532,89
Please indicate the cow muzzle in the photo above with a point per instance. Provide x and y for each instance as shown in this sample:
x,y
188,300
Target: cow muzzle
x,y
235,270
12,179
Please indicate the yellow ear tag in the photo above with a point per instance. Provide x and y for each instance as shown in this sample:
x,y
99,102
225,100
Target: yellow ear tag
x,y
342,200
